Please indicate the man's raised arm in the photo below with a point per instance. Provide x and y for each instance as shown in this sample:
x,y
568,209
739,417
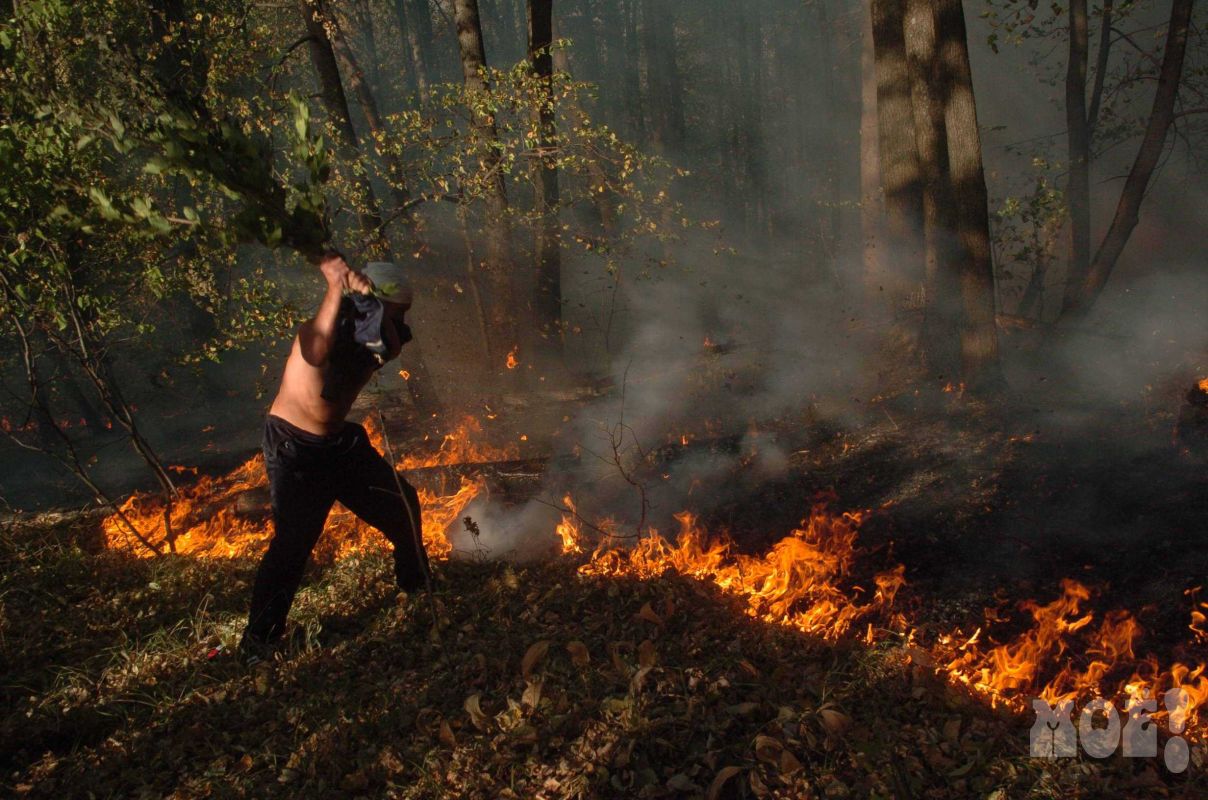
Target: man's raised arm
x,y
317,336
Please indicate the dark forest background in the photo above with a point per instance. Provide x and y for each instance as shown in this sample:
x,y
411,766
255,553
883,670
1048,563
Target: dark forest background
x,y
853,199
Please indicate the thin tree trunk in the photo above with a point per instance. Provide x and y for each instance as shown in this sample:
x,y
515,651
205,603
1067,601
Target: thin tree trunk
x,y
1105,45
347,60
1031,305
549,246
70,458
757,150
743,120
607,33
634,102
590,41
830,173
729,118
1078,186
1129,205
901,179
602,199
871,208
753,184
979,332
360,15
335,102
94,363
498,267
662,74
415,21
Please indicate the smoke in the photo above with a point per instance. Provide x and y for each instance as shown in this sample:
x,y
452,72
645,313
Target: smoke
x,y
713,355
520,533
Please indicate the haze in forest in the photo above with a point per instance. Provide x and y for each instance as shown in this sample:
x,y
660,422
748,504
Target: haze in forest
x,y
761,247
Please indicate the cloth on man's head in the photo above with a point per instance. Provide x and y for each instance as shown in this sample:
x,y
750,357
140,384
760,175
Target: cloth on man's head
x,y
366,315
390,282
360,344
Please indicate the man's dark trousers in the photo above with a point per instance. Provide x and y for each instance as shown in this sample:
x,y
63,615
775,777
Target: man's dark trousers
x,y
307,473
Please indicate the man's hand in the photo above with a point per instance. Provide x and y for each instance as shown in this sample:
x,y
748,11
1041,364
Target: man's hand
x,y
342,277
334,269
317,336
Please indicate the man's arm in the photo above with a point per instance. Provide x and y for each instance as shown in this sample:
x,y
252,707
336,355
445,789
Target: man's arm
x,y
317,336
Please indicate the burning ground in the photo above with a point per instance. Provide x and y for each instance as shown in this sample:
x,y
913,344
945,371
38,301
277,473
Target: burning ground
x,y
865,610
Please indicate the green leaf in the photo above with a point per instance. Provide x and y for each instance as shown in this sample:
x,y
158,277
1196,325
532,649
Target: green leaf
x,y
103,203
158,223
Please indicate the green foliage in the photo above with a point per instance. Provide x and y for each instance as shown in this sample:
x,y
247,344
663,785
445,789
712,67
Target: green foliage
x,y
1134,57
1027,230
105,263
143,147
446,157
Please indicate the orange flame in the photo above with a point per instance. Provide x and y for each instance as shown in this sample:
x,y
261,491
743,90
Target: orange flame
x,y
512,361
1203,385
461,446
569,530
799,582
206,517
1093,661
803,581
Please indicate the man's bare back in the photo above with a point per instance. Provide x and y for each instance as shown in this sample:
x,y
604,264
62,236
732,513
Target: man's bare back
x,y
300,398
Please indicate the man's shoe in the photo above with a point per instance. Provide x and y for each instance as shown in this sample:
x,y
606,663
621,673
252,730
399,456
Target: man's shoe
x,y
253,651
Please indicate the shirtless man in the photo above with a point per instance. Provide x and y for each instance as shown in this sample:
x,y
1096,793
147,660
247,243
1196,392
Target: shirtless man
x,y
315,457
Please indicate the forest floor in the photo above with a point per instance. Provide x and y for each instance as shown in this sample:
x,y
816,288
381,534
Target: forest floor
x,y
540,683
537,681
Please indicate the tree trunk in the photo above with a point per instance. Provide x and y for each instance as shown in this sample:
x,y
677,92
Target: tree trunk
x,y
608,34
502,304
1031,305
603,201
942,253
662,74
979,332
335,103
1105,46
360,16
728,123
415,22
901,179
871,208
548,303
831,198
1127,209
397,178
753,188
1078,187
635,119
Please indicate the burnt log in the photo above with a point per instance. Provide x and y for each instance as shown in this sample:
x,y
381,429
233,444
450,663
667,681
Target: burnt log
x,y
512,481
